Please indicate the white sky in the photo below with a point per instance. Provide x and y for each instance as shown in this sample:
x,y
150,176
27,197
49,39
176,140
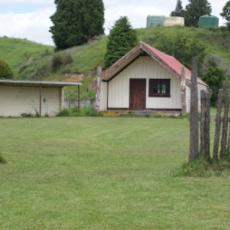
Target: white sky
x,y
30,19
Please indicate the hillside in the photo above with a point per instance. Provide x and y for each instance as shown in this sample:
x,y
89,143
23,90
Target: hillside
x,y
30,60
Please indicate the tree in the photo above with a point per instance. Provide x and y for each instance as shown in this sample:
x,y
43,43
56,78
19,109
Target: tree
x,y
91,15
178,12
122,38
214,78
183,48
75,21
5,70
226,11
194,10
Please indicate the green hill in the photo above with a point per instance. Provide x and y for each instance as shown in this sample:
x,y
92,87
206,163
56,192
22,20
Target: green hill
x,y
30,60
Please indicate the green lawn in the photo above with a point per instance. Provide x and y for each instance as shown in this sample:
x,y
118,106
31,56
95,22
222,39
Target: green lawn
x,y
104,173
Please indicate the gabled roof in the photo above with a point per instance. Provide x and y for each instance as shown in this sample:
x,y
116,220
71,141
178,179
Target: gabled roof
x,y
168,62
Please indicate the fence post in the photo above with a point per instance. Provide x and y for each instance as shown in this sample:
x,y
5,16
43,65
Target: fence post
x,y
225,125
193,152
202,123
207,124
218,126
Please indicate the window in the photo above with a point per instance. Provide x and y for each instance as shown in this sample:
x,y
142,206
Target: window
x,y
159,87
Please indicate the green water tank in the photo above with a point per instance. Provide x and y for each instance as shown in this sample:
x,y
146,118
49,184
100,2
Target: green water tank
x,y
208,21
153,21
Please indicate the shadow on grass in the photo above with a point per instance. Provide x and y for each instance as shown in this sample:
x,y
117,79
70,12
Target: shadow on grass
x,y
2,160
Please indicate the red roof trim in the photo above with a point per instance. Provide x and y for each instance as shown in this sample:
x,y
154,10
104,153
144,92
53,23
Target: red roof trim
x,y
121,61
168,62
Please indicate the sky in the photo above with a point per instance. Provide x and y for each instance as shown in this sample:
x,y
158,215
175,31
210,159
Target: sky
x,y
30,19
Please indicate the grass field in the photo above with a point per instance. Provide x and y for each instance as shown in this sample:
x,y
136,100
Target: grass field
x,y
104,173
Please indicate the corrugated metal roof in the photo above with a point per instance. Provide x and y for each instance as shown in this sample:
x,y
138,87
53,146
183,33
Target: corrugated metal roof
x,y
168,62
54,84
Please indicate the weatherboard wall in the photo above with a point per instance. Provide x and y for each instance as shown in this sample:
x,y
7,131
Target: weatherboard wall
x,y
188,95
16,100
143,68
103,97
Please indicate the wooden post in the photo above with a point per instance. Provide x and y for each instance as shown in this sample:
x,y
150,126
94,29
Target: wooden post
x,y
207,125
98,94
202,123
193,152
78,89
225,125
183,92
218,126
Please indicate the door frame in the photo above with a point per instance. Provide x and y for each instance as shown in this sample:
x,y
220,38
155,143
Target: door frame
x,y
137,79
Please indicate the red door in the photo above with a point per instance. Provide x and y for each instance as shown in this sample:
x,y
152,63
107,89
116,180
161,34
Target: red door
x,y
137,94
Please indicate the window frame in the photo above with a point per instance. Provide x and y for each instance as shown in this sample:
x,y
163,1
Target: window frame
x,y
161,80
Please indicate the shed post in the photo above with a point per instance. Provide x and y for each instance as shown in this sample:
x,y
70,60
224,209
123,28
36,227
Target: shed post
x,y
98,94
183,92
78,97
193,153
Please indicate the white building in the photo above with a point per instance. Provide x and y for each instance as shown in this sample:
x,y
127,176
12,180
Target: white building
x,y
146,79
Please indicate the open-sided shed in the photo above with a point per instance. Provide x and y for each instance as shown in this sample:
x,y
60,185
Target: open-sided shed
x,y
43,98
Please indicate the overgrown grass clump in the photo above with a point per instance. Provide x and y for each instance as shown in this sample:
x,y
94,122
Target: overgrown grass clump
x,y
204,168
86,111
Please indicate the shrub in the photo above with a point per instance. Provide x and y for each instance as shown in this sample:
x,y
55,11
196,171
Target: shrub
x,y
89,112
64,113
61,59
182,47
86,111
5,70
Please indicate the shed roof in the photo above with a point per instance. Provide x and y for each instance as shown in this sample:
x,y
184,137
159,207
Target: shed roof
x,y
168,62
52,84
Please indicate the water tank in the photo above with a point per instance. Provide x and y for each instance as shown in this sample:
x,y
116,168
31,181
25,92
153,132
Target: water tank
x,y
208,21
153,21
174,21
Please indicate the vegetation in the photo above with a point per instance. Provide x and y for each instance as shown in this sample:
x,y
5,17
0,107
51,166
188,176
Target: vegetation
x,y
61,59
90,14
194,10
5,70
76,21
86,111
122,38
183,48
105,173
204,168
178,12
226,11
30,60
214,77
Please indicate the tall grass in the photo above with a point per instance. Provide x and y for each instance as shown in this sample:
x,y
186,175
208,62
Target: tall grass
x,y
85,112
